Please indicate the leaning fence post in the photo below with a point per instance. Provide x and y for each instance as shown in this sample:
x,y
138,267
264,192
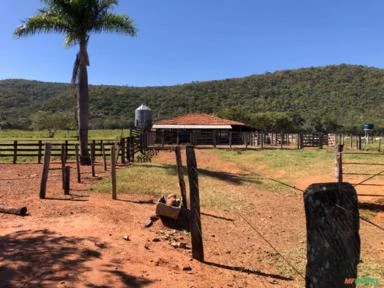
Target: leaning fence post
x,y
113,171
195,222
181,176
44,175
333,241
339,163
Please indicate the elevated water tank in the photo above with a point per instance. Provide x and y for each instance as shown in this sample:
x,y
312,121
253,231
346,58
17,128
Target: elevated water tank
x,y
368,126
143,117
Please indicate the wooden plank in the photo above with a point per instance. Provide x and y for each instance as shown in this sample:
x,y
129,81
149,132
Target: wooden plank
x,y
195,222
44,175
180,175
16,211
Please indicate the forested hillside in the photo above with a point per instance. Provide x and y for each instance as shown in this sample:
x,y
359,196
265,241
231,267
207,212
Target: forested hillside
x,y
334,97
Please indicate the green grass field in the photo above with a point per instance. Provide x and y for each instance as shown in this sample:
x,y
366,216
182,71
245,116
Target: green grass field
x,y
61,134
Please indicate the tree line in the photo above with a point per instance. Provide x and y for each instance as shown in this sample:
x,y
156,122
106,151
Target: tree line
x,y
327,99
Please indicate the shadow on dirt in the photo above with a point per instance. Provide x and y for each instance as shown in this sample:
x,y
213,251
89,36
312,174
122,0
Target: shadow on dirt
x,y
128,280
43,258
248,271
375,207
219,175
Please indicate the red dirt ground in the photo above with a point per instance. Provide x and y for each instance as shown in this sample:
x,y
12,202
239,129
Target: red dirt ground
x,y
77,240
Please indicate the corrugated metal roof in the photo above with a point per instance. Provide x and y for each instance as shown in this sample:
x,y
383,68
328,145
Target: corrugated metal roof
x,y
143,107
198,119
161,126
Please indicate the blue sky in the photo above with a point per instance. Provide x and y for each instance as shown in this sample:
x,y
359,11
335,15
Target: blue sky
x,y
184,41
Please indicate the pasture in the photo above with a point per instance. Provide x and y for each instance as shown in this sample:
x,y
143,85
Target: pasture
x,y
79,239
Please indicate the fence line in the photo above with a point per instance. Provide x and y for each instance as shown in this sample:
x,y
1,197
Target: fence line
x,y
99,148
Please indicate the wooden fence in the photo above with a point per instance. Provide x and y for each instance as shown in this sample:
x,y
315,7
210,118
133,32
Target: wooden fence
x,y
129,146
360,168
237,139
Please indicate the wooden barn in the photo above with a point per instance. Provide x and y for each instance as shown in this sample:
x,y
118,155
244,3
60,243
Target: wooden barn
x,y
200,129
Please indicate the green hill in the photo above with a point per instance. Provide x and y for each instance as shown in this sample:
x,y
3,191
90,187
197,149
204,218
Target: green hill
x,y
346,95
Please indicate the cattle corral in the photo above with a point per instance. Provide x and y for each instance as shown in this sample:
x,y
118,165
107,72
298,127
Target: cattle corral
x,y
80,236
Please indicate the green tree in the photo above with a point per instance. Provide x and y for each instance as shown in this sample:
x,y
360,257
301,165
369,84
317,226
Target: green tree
x,y
236,113
52,121
77,19
272,122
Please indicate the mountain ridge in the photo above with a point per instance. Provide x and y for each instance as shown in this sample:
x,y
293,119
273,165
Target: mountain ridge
x,y
348,95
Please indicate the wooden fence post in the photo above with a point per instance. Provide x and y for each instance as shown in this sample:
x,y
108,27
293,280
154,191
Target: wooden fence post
x,y
262,140
104,156
333,241
132,142
230,139
67,180
281,140
181,176
339,163
359,143
321,140
14,151
66,149
44,175
128,151
40,152
77,163
93,158
379,149
122,145
113,171
195,222
63,161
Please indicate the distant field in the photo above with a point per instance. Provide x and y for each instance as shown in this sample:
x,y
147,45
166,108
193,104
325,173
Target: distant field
x,y
61,134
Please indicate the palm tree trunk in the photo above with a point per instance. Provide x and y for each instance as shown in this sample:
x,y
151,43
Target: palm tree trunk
x,y
83,104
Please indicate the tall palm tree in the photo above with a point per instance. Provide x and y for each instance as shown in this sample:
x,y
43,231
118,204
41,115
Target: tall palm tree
x,y
77,19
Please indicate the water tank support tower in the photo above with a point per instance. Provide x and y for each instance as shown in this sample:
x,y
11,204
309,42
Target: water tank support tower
x,y
368,127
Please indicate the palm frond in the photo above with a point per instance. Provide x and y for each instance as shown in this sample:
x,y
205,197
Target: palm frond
x,y
115,23
42,23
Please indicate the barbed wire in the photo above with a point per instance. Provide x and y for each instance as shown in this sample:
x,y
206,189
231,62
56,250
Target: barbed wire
x,y
273,247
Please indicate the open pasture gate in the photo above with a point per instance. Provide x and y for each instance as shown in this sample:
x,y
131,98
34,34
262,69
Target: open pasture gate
x,y
360,168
